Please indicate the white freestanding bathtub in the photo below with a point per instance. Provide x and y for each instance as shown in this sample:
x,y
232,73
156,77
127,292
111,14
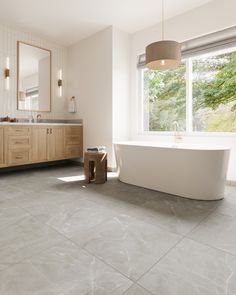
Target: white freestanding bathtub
x,y
190,171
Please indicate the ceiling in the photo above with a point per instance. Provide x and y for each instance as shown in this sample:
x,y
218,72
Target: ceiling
x,y
68,21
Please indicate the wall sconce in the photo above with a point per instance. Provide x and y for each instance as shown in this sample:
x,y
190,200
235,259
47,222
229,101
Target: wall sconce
x,y
7,74
59,82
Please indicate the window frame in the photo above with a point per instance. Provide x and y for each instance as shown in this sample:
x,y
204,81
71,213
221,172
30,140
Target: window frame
x,y
189,106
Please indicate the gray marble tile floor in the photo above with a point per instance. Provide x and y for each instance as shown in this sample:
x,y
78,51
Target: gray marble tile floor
x,y
60,236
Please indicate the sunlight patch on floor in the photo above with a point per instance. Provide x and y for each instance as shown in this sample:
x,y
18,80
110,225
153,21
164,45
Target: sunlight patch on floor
x,y
112,174
81,177
72,178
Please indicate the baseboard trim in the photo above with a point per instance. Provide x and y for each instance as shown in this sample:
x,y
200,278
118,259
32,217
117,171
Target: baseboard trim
x,y
231,182
37,165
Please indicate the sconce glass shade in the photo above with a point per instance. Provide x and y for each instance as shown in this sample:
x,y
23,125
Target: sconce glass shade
x,y
163,55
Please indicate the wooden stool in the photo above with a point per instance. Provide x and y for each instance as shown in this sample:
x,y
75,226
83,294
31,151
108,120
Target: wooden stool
x,y
95,167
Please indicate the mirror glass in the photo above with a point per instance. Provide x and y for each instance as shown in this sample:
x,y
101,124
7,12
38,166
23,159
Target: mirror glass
x,y
33,78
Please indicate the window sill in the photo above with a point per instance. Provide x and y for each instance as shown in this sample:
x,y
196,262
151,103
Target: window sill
x,y
188,134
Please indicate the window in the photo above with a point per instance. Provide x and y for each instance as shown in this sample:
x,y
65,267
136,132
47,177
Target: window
x,y
32,98
164,99
200,94
214,92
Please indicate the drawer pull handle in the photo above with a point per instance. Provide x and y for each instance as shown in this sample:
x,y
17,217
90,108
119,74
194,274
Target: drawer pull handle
x,y
19,157
18,142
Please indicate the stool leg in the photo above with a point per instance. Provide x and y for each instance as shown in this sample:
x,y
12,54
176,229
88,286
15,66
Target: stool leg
x,y
106,170
91,170
100,171
86,171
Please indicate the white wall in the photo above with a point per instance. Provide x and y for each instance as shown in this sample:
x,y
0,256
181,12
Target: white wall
x,y
90,81
8,43
214,16
121,86
99,79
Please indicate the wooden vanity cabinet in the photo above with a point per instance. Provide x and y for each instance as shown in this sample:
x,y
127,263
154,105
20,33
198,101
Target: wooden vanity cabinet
x,y
51,143
21,145
18,145
74,141
2,158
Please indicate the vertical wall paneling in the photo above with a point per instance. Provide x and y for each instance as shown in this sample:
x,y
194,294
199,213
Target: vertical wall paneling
x,y
8,41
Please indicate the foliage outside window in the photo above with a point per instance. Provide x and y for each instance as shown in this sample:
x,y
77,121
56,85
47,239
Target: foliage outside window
x,y
202,89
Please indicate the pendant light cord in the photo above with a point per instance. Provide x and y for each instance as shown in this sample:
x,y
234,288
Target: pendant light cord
x,y
162,33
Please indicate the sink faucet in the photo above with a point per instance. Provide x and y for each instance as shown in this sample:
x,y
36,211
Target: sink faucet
x,y
39,116
177,136
31,118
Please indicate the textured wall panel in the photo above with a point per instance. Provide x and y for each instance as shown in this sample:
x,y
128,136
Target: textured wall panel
x,y
8,44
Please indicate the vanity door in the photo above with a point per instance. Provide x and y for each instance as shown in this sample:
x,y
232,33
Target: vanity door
x,y
39,141
2,162
56,146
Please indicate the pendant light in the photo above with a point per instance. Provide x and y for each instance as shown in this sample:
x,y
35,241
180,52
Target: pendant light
x,y
164,54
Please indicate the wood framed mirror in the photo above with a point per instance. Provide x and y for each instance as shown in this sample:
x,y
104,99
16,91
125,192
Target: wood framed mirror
x,y
33,78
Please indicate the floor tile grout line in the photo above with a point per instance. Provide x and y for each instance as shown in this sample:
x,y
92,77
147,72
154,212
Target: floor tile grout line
x,y
45,249
210,246
134,281
93,255
51,246
135,217
111,217
201,221
213,211
183,237
162,257
150,293
102,260
16,222
187,236
48,224
116,270
45,277
209,211
35,254
115,215
84,249
97,257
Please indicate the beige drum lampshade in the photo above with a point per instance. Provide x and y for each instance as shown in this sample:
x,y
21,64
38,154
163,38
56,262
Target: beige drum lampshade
x,y
163,55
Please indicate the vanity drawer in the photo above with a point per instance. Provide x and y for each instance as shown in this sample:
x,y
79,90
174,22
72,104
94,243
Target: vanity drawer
x,y
19,130
18,157
73,130
74,152
16,142
73,139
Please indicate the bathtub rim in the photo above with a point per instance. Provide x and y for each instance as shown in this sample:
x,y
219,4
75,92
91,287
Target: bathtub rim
x,y
177,146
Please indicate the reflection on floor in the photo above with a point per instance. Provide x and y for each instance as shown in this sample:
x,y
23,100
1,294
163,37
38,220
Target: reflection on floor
x,y
60,236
